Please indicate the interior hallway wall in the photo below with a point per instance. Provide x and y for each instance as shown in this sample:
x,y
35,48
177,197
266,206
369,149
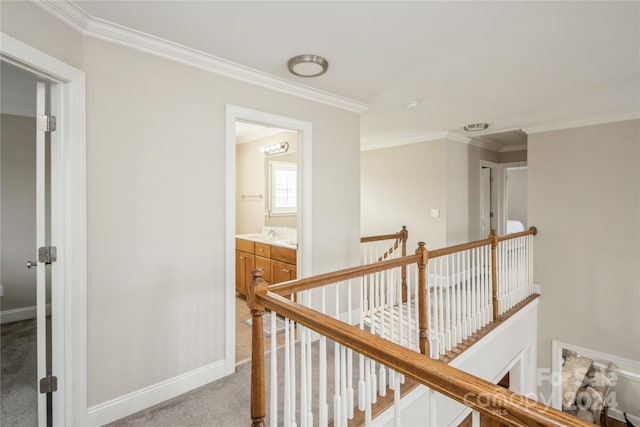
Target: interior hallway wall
x,y
400,186
584,197
156,202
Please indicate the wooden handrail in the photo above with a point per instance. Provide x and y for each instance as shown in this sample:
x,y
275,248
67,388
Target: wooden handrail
x,y
458,248
288,288
499,403
532,230
368,239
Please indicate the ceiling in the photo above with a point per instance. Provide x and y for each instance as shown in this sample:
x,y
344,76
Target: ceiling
x,y
514,65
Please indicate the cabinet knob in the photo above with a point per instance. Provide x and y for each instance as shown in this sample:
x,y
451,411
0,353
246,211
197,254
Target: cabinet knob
x,y
284,270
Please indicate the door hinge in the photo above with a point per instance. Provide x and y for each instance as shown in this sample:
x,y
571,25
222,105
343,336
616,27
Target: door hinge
x,y
47,123
47,254
48,384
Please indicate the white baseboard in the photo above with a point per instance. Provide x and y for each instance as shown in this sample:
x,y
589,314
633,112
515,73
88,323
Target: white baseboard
x,y
619,415
114,409
18,314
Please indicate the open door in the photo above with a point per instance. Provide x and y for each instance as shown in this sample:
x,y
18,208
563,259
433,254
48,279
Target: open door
x,y
46,255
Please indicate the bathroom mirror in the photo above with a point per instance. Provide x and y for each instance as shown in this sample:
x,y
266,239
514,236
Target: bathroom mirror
x,y
281,181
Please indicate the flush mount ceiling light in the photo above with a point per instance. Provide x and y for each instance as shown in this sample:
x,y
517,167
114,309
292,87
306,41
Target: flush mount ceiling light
x,y
475,127
278,148
308,65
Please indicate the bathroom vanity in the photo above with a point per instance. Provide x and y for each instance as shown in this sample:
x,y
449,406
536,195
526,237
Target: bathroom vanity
x,y
276,258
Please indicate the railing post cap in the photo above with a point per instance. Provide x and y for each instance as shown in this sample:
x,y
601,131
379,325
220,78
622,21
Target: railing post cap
x,y
533,230
421,244
257,273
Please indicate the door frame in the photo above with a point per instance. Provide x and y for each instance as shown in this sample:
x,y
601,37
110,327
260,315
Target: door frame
x,y
68,226
304,223
497,185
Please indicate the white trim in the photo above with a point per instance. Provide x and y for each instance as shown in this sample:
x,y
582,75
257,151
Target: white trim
x,y
406,141
68,231
619,415
122,406
304,219
498,187
598,120
626,367
23,313
74,16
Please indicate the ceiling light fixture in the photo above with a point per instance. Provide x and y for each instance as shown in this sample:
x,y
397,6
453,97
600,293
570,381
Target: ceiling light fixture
x,y
475,127
308,65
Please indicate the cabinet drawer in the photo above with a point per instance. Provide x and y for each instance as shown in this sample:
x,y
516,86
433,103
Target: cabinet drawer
x,y
263,249
282,272
245,245
285,255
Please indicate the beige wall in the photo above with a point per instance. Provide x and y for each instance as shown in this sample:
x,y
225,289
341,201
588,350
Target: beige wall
x,y
513,156
156,179
400,186
18,204
251,178
584,197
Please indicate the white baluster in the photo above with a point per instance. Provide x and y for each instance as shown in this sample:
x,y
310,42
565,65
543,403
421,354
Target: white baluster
x,y
323,407
273,397
350,403
396,403
287,374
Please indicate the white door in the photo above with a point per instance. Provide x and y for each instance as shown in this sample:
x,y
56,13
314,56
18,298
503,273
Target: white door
x,y
41,242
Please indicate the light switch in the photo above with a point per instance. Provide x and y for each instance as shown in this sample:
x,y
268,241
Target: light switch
x,y
435,213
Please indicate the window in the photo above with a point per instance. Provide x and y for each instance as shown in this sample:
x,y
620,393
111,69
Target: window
x,y
283,188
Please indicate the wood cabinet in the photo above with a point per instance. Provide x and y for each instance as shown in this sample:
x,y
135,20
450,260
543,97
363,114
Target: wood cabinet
x,y
277,263
245,264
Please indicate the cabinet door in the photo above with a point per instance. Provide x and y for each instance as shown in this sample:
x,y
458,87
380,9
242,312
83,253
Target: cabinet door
x,y
245,264
265,265
282,272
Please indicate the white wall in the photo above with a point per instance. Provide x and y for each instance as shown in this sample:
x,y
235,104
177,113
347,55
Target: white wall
x,y
584,186
18,192
516,195
156,178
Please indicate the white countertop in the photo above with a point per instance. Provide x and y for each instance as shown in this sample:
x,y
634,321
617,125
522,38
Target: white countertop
x,y
276,241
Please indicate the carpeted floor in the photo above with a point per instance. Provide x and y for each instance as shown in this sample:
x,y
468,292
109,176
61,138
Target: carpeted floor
x,y
19,397
226,402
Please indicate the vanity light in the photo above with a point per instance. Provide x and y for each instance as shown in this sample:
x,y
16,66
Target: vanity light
x,y
308,65
278,148
475,127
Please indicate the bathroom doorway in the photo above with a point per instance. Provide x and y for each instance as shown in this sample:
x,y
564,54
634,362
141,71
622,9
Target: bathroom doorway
x,y
278,195
266,219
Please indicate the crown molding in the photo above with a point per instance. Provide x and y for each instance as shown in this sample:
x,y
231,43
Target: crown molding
x,y
597,120
74,16
406,141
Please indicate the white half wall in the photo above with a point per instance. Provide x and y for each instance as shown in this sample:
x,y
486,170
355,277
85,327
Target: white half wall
x,y
510,347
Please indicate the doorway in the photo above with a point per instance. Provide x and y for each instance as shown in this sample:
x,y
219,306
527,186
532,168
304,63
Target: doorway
x,y
515,197
25,153
67,231
302,256
489,198
266,219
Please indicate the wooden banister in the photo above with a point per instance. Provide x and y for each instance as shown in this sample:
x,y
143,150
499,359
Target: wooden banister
x,y
288,288
493,237
532,230
403,269
258,406
498,403
423,258
458,248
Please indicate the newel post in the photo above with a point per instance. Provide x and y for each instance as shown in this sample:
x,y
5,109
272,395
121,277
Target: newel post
x,y
494,273
403,270
422,297
258,405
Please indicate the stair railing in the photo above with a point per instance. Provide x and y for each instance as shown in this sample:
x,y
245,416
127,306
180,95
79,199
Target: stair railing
x,y
446,295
